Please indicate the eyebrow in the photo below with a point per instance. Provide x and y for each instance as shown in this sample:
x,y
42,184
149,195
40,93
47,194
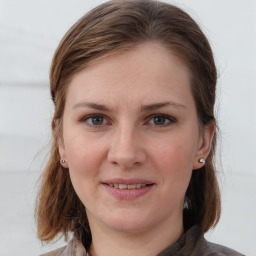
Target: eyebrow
x,y
143,108
96,106
155,106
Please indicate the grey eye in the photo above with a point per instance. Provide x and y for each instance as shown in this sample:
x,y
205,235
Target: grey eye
x,y
159,120
97,120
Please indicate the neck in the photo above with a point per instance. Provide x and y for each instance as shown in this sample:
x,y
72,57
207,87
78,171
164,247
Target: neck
x,y
110,242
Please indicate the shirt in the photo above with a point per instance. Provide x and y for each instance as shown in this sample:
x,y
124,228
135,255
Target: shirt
x,y
191,243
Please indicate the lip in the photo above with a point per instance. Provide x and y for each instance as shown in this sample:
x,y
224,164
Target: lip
x,y
128,194
127,181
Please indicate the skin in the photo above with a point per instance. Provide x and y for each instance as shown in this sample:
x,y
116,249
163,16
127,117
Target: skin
x,y
126,141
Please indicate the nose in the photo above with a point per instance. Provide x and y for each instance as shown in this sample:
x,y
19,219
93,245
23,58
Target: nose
x,y
126,148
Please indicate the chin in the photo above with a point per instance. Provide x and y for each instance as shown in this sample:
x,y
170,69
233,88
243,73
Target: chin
x,y
128,227
128,223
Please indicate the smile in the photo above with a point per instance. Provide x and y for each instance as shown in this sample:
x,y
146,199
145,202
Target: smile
x,y
128,191
125,186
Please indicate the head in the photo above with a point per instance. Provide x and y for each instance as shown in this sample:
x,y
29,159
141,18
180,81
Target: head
x,y
112,29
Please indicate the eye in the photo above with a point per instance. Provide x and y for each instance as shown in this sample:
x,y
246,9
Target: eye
x,y
95,120
161,120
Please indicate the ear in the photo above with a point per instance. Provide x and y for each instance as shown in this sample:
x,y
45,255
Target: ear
x,y
62,152
205,144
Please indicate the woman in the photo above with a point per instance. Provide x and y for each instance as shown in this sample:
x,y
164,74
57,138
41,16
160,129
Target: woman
x,y
131,167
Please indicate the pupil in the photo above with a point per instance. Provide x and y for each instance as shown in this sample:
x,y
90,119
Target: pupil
x,y
97,120
159,120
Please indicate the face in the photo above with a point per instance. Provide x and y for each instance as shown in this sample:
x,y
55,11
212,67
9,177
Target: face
x,y
131,139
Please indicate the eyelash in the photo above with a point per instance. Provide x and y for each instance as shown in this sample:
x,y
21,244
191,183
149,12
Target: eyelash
x,y
170,120
87,118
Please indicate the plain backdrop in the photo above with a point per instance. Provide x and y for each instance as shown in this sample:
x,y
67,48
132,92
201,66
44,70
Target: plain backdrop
x,y
29,33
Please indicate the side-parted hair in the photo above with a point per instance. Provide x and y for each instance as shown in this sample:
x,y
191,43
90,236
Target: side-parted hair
x,y
113,27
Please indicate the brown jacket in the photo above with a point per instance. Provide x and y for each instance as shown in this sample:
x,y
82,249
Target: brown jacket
x,y
192,243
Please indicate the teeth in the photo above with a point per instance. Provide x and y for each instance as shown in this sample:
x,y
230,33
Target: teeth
x,y
140,185
132,186
125,186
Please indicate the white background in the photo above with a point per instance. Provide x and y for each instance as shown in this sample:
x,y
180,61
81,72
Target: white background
x,y
29,33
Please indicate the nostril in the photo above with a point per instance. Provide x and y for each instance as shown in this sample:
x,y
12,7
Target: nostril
x,y
126,155
125,165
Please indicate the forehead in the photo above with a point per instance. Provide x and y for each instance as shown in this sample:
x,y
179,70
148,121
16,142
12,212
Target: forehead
x,y
147,72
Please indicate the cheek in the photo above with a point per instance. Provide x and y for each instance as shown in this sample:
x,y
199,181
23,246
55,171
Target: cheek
x,y
85,161
177,167
174,154
174,162
84,157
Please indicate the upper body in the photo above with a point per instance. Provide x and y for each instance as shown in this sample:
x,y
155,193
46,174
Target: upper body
x,y
134,134
192,243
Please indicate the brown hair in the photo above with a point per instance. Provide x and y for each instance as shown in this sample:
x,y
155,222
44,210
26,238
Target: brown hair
x,y
110,28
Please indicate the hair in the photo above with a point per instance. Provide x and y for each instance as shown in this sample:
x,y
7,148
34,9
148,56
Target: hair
x,y
111,28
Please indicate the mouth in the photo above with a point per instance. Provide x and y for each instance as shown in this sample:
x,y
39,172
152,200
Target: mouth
x,y
128,189
126,186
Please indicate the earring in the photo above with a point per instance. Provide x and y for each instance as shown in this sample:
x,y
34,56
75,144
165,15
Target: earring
x,y
63,161
201,160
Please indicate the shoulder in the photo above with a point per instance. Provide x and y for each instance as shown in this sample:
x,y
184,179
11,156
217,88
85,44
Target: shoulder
x,y
73,248
217,249
193,243
203,247
196,244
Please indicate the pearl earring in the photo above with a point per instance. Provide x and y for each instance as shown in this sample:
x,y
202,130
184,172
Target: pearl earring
x,y
63,161
201,160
